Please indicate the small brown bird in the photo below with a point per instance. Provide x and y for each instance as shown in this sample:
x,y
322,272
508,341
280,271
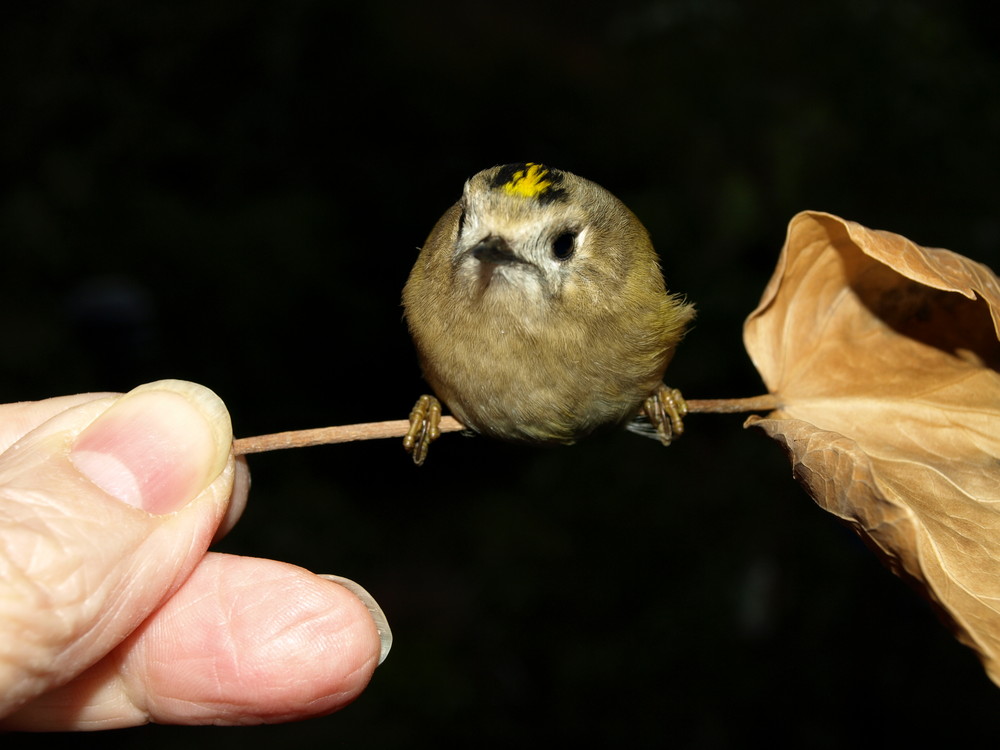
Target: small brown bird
x,y
540,315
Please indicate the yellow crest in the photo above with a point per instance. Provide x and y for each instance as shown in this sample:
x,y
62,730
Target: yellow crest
x,y
529,182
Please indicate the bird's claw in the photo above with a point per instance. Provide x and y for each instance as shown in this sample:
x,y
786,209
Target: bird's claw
x,y
665,410
424,420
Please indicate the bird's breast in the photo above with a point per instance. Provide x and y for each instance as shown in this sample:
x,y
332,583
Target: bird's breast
x,y
526,378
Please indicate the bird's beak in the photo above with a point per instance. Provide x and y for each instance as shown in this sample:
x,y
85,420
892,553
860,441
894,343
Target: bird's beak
x,y
494,250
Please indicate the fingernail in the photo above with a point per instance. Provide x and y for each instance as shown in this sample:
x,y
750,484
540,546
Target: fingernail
x,y
381,623
158,446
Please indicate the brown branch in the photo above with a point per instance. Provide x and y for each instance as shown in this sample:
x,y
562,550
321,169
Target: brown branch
x,y
397,428
767,402
394,428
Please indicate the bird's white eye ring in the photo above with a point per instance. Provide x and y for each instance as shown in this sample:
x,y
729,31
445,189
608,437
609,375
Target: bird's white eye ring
x,y
564,245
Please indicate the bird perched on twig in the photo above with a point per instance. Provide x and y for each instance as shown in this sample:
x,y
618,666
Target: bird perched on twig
x,y
540,315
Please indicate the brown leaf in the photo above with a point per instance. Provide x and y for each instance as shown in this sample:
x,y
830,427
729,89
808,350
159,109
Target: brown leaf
x,y
884,356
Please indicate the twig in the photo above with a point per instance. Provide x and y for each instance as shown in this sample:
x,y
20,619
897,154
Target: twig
x,y
347,433
767,402
397,428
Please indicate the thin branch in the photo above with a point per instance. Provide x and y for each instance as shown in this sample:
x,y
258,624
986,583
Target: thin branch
x,y
394,428
397,428
767,402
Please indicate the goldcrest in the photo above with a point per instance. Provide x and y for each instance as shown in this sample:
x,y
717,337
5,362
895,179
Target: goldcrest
x,y
539,313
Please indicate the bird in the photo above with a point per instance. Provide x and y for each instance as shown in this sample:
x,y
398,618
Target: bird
x,y
540,315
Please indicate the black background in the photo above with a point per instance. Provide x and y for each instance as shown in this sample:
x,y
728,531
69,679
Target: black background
x,y
233,193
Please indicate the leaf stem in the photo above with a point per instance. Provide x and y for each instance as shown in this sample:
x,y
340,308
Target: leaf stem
x,y
394,428
397,428
766,402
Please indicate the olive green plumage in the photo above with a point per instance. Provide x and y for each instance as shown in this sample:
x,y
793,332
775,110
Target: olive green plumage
x,y
538,308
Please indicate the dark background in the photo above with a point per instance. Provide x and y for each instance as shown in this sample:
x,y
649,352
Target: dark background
x,y
233,193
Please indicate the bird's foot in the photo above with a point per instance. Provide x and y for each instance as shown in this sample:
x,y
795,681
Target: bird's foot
x,y
665,410
424,420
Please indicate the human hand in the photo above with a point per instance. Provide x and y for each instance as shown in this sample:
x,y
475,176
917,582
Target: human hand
x,y
112,612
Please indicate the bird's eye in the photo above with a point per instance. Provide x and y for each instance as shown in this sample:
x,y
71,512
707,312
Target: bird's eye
x,y
564,245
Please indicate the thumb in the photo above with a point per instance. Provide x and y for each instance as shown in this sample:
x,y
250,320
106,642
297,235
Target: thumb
x,y
105,508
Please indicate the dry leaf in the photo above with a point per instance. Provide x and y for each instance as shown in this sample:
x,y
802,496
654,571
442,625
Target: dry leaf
x,y
884,356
